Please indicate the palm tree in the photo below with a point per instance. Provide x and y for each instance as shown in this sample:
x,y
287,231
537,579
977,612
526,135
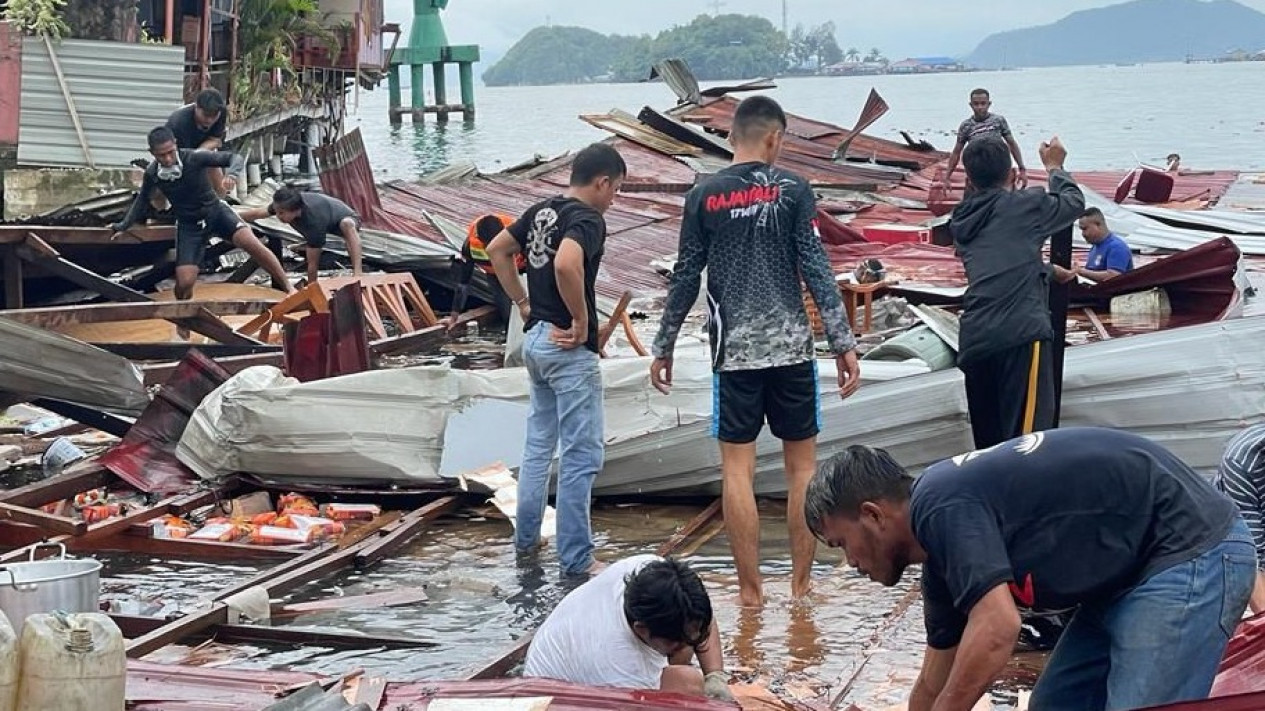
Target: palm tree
x,y
875,55
852,55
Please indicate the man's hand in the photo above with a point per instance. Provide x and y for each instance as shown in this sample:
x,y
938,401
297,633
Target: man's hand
x,y
1022,182
849,373
229,183
570,338
1062,275
716,686
448,322
661,375
1053,154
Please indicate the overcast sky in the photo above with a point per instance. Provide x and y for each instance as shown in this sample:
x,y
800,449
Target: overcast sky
x,y
900,28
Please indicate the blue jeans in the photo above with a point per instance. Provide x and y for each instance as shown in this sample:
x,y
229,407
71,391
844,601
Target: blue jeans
x,y
566,410
1158,643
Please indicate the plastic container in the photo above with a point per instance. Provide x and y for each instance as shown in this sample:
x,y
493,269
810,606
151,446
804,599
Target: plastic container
x,y
71,662
896,234
10,665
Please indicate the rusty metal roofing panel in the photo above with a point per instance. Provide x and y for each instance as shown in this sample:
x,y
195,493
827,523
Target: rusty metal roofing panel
x,y
624,124
120,90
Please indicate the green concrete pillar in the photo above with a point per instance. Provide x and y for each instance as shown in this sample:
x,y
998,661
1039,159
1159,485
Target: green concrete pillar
x,y
419,90
441,89
393,85
427,29
467,89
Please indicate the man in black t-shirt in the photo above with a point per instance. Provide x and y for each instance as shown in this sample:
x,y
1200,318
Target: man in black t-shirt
x,y
564,238
182,177
315,216
203,125
1157,564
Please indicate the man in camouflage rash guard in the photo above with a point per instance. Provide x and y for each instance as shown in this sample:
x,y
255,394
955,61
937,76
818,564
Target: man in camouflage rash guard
x,y
753,227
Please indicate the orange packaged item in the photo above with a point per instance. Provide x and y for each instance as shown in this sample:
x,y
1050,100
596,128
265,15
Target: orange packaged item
x,y
327,527
171,527
92,497
296,504
277,536
221,532
264,519
93,514
350,512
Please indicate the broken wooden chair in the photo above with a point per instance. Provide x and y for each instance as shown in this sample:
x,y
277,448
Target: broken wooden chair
x,y
389,295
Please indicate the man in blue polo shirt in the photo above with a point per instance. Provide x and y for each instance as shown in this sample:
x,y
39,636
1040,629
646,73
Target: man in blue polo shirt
x,y
1109,255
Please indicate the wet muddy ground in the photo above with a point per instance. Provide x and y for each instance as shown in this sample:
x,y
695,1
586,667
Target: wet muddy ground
x,y
852,642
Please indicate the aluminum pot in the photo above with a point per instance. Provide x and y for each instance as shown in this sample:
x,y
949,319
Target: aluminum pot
x,y
47,585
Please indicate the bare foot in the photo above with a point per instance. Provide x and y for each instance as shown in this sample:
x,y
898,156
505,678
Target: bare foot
x,y
597,567
751,598
801,592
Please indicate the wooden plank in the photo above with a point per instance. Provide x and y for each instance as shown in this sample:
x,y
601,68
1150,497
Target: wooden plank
x,y
394,598
12,279
46,521
138,625
42,549
1097,323
17,234
408,528
137,539
432,335
158,373
80,476
204,323
617,316
104,421
176,351
56,317
370,691
679,538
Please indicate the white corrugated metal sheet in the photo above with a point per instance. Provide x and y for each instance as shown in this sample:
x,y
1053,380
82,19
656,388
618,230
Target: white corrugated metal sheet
x,y
121,91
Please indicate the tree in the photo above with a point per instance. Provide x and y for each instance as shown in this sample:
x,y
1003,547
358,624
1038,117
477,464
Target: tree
x,y
875,55
270,32
825,45
801,49
726,47
852,55
554,55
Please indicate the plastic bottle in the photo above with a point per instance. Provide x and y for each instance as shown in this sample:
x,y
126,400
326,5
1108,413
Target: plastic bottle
x,y
9,665
71,662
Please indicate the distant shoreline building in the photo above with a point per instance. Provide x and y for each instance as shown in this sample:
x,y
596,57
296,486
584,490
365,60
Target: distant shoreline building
x,y
912,65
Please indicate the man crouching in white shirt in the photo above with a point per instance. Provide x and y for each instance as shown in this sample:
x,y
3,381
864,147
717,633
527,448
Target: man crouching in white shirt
x,y
636,625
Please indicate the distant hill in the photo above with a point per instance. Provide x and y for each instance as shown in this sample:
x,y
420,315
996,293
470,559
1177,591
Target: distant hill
x,y
1132,32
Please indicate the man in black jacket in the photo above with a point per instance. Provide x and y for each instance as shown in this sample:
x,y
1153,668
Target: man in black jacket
x,y
182,176
1005,330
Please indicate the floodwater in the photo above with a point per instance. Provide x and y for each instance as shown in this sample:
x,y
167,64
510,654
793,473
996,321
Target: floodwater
x,y
1109,117
853,639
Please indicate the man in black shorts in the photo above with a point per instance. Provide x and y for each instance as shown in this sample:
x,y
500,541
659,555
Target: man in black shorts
x,y
203,125
314,216
753,227
181,175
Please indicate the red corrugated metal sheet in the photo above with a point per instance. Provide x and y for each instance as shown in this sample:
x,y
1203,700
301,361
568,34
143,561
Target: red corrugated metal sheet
x,y
802,130
156,687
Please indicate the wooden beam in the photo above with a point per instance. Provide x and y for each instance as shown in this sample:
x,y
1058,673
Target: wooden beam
x,y
81,476
104,421
137,539
17,234
409,527
695,524
1097,324
617,316
204,322
46,521
176,351
430,336
12,279
158,373
136,625
56,317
